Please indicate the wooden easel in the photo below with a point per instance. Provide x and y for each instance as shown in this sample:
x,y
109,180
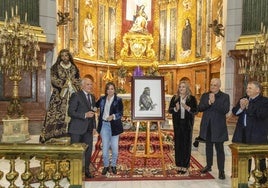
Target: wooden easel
x,y
146,153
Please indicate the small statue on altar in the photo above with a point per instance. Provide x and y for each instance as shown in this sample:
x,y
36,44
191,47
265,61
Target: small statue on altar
x,y
88,34
140,21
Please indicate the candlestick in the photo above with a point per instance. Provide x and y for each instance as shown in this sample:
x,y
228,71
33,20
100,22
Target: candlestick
x,y
18,54
256,60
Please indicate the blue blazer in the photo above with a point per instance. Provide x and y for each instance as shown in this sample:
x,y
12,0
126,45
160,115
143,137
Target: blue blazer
x,y
116,109
257,122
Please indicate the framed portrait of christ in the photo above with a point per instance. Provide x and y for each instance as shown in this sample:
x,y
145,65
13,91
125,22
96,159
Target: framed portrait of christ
x,y
147,98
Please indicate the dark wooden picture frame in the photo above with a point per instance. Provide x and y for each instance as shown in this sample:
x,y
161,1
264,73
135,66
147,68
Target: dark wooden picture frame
x,y
144,107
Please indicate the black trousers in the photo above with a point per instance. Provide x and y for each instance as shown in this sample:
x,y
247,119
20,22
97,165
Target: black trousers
x,y
220,154
86,138
182,143
219,150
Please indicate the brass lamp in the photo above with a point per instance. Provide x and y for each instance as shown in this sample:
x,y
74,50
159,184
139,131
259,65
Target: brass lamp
x,y
18,53
255,64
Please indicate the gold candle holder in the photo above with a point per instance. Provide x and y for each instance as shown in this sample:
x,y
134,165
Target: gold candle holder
x,y
18,49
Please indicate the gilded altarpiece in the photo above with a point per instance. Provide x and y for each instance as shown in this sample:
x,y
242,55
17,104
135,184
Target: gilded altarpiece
x,y
168,21
160,46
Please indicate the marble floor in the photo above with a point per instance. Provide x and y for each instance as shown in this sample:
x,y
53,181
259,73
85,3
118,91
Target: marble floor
x,y
198,153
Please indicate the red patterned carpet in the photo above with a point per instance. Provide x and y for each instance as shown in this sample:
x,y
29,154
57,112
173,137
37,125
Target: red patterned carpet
x,y
153,168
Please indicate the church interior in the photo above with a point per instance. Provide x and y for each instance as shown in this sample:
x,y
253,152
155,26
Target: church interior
x,y
116,40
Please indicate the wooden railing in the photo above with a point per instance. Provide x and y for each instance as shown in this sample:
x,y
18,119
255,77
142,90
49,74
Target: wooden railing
x,y
241,153
56,162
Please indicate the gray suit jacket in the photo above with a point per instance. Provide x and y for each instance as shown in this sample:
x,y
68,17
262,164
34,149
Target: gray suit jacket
x,y
78,106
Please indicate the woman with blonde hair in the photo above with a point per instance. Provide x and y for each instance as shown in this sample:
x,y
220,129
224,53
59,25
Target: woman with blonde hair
x,y
183,107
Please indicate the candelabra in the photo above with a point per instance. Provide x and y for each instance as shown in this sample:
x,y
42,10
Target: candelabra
x,y
18,48
255,63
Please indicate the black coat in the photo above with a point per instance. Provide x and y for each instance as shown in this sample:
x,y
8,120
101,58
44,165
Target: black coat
x,y
189,116
257,122
215,115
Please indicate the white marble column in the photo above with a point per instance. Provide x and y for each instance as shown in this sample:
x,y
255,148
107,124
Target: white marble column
x,y
232,21
48,21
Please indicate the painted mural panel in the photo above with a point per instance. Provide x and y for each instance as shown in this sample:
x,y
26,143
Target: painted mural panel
x,y
101,32
173,34
112,32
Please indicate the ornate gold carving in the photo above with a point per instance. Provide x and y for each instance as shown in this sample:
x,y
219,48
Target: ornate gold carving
x,y
12,175
257,173
42,175
1,176
57,176
137,49
27,175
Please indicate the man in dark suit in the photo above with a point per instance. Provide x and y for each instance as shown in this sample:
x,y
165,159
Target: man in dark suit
x,y
252,124
82,112
215,105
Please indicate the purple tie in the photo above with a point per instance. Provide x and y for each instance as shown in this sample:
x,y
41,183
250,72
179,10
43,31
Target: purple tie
x,y
89,101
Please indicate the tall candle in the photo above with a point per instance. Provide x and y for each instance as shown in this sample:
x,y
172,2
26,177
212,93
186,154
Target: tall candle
x,y
12,12
25,18
16,10
20,51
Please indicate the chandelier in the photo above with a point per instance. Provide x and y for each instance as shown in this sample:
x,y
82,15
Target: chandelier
x,y
18,54
255,63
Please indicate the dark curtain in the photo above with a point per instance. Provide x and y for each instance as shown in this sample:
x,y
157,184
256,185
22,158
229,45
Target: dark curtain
x,y
254,12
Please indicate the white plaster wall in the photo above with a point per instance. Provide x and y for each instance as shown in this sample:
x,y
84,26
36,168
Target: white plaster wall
x,y
48,21
232,21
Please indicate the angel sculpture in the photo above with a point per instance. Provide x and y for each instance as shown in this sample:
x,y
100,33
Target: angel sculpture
x,y
217,28
63,18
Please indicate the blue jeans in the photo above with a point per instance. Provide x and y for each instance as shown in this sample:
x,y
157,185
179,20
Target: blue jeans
x,y
109,141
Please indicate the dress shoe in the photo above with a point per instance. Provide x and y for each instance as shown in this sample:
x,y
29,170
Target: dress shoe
x,y
105,170
88,174
221,175
114,169
206,169
182,171
263,180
